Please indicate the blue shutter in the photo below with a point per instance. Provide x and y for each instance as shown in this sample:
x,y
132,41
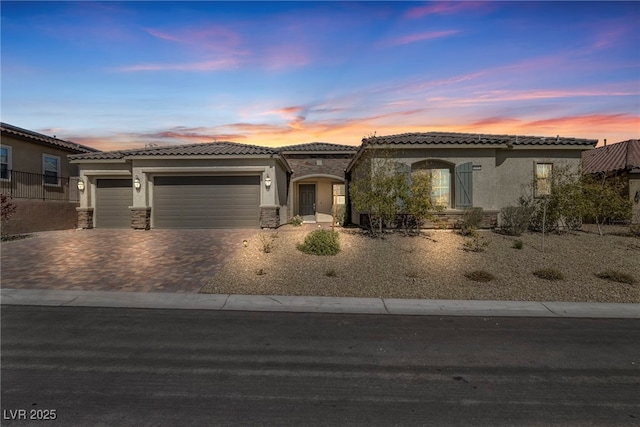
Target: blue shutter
x,y
464,185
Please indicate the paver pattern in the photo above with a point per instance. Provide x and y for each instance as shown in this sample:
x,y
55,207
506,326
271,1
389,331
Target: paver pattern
x,y
180,261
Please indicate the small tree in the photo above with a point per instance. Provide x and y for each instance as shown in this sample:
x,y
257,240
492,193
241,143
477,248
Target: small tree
x,y
7,209
604,200
379,190
417,203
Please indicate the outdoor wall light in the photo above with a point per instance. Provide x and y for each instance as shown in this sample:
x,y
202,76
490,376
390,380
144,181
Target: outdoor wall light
x,y
267,182
80,185
136,183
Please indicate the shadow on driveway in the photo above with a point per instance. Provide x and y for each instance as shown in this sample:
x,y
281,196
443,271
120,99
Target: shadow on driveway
x,y
179,261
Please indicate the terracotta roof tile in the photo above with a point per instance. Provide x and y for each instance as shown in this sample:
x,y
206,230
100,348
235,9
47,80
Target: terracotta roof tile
x,y
208,149
44,139
620,156
448,138
317,147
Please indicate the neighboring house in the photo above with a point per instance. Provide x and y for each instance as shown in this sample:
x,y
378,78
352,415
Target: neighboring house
x,y
621,159
36,173
318,179
212,185
472,170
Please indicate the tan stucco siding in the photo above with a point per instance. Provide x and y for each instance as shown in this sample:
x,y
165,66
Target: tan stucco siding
x,y
27,157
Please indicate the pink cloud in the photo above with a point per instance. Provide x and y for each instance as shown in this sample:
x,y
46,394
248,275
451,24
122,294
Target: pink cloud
x,y
412,38
443,8
211,65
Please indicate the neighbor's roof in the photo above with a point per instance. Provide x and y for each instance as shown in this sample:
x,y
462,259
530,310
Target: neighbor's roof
x,y
36,137
318,147
207,149
620,156
449,138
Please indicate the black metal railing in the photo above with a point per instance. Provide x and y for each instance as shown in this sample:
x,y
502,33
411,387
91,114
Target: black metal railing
x,y
27,185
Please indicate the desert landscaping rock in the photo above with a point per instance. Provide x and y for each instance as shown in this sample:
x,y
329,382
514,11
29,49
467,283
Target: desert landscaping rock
x,y
432,266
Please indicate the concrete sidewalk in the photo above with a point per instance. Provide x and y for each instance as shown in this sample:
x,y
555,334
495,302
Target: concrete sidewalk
x,y
310,304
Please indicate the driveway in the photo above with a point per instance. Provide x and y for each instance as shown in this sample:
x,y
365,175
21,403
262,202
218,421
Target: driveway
x,y
179,261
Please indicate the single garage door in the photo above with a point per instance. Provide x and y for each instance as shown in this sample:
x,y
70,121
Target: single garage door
x,y
113,199
206,201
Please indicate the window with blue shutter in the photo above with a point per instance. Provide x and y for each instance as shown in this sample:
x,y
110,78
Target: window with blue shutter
x,y
464,185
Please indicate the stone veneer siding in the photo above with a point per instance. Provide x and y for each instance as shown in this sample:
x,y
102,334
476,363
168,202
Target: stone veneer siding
x,y
141,218
270,217
307,164
85,217
448,220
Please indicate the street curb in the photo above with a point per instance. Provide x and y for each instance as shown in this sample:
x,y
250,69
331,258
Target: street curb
x,y
312,304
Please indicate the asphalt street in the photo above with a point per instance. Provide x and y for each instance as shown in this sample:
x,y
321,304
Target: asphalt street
x,y
116,366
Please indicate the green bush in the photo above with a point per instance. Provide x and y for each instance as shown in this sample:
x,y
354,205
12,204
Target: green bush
x,y
475,242
518,244
320,242
296,221
616,276
514,220
471,219
549,274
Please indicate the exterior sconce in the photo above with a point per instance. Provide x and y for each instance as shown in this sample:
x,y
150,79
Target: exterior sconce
x,y
136,183
267,182
80,185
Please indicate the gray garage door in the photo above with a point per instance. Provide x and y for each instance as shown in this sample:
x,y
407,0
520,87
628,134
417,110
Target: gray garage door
x,y
113,198
206,201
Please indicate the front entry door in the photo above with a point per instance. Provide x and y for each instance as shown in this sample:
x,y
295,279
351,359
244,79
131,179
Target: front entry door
x,y
307,201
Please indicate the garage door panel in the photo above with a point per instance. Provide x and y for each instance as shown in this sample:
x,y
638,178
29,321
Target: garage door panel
x,y
207,202
113,199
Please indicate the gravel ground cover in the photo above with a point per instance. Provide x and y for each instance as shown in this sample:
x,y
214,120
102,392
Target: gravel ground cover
x,y
433,266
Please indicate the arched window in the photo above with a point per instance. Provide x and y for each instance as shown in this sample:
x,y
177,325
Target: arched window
x,y
442,191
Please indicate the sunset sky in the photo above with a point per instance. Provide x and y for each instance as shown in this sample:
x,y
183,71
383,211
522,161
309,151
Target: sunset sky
x,y
116,75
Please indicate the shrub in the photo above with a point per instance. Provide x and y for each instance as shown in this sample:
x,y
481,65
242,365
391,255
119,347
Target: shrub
x,y
320,242
518,244
476,242
7,211
479,276
549,274
296,221
267,240
514,220
471,219
616,276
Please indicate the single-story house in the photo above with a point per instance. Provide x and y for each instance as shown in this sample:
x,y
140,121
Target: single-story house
x,y
471,170
212,185
317,182
35,171
621,159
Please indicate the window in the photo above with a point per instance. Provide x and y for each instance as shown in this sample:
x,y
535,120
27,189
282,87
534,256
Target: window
x,y
51,169
544,172
5,163
440,173
338,194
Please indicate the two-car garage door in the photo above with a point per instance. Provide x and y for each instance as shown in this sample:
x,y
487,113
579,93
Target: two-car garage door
x,y
206,202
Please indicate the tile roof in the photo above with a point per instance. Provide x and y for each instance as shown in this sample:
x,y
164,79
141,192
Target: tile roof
x,y
317,147
207,149
449,138
620,156
44,139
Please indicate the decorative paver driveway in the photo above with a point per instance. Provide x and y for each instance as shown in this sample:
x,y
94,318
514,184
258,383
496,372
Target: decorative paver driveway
x,y
124,260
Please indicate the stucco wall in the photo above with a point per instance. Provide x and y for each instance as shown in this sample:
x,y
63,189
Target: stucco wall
x,y
37,215
634,186
500,176
27,156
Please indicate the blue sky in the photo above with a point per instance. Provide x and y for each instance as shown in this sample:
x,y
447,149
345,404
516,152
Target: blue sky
x,y
119,75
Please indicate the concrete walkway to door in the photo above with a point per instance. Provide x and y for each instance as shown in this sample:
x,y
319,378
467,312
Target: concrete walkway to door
x,y
178,261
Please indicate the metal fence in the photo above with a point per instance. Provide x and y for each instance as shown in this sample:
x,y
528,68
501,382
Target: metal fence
x,y
35,186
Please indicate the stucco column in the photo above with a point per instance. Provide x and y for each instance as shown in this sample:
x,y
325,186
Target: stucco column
x,y
269,208
140,210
